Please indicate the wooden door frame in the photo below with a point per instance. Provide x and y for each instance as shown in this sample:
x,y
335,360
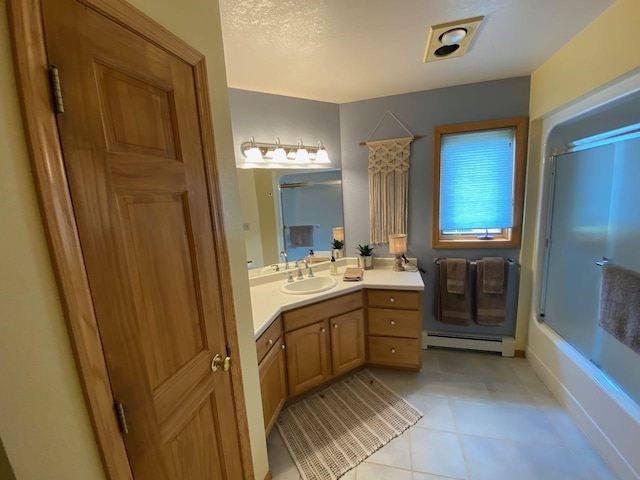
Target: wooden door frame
x,y
47,164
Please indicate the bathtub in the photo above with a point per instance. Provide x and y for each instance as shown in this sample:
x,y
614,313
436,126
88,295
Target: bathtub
x,y
606,415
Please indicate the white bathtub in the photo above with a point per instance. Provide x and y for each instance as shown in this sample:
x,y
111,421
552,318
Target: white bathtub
x,y
605,414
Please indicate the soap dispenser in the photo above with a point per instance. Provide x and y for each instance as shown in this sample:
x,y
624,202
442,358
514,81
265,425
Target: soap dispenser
x,y
333,270
311,256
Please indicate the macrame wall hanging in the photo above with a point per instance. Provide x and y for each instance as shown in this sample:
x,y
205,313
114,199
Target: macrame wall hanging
x,y
388,183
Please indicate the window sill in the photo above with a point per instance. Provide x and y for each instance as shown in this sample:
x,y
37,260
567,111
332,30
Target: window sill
x,y
476,244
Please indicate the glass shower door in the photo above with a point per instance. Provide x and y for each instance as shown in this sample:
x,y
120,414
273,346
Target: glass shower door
x,y
595,214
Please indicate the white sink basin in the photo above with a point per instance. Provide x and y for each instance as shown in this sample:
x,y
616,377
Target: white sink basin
x,y
309,285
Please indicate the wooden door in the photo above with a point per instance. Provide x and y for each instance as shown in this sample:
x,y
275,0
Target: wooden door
x,y
273,384
308,359
347,341
133,156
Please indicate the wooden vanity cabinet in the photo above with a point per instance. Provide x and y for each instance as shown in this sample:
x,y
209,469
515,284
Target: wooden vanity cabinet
x,y
308,357
394,328
323,340
272,372
347,342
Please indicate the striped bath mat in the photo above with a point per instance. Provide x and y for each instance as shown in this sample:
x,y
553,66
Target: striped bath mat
x,y
332,431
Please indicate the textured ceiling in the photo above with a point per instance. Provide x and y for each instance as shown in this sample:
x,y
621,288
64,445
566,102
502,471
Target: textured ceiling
x,y
346,50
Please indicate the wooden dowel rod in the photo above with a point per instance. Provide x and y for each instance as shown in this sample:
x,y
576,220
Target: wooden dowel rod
x,y
415,137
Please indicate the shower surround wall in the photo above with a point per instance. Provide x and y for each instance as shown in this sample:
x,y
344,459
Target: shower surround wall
x,y
420,112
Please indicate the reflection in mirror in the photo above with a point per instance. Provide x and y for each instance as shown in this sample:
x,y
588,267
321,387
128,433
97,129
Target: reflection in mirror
x,y
288,212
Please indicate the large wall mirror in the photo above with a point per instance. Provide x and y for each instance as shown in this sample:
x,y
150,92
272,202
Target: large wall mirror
x,y
291,211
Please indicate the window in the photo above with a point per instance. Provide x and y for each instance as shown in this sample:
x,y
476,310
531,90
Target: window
x,y
478,184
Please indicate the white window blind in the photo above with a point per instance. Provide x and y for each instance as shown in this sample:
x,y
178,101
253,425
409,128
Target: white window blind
x,y
476,179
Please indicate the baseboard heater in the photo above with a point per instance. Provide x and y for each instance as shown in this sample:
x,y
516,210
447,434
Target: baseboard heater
x,y
486,343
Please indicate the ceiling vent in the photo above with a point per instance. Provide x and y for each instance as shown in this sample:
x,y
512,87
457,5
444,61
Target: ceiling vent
x,y
451,39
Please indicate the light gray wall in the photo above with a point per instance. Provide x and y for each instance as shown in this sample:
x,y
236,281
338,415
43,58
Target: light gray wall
x,y
265,117
420,112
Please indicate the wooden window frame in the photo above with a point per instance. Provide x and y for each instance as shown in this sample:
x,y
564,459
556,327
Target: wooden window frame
x,y
47,165
511,236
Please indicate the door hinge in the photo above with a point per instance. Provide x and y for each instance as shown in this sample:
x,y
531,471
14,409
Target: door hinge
x,y
122,419
56,90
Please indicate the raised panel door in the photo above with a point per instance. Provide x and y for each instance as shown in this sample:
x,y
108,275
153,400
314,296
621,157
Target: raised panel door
x,y
308,357
347,341
133,155
273,384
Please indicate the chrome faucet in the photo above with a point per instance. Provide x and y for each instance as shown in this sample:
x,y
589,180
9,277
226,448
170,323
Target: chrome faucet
x,y
311,275
298,266
283,254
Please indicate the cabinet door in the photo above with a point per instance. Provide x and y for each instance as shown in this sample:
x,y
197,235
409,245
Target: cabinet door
x,y
347,341
308,363
273,384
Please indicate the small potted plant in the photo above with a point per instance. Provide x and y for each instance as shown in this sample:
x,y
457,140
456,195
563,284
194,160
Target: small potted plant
x,y
365,256
336,248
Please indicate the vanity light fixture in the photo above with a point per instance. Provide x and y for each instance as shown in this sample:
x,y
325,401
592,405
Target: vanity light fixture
x,y
253,153
302,154
398,247
277,155
321,155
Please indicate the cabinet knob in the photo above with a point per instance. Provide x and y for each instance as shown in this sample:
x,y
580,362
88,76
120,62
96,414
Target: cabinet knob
x,y
393,350
392,300
282,346
269,342
392,322
335,325
323,330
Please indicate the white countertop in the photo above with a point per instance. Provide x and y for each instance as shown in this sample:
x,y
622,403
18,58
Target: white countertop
x,y
267,301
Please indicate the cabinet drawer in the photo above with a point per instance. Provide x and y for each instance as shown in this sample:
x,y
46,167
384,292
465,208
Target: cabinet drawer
x,y
410,300
394,323
395,352
329,308
269,338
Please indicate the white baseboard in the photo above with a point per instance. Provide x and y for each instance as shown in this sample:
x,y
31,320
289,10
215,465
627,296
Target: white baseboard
x,y
504,345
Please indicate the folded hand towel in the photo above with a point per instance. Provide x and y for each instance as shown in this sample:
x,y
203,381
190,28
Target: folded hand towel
x,y
493,278
352,274
620,305
452,308
456,275
301,236
491,308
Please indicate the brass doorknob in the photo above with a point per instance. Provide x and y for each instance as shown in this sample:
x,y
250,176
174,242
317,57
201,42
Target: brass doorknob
x,y
216,363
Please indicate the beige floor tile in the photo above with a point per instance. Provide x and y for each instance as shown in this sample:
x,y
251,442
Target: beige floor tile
x,y
530,425
373,471
492,459
486,417
396,453
437,453
281,464
437,411
482,419
593,465
274,437
427,476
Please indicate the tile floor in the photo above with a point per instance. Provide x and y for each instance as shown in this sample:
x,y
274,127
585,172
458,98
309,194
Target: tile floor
x,y
485,417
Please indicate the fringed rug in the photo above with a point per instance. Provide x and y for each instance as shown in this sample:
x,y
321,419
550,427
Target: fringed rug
x,y
334,430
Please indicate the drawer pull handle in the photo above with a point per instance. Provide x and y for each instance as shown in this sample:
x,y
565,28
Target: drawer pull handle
x,y
393,350
392,300
282,346
393,322
335,325
269,342
323,330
